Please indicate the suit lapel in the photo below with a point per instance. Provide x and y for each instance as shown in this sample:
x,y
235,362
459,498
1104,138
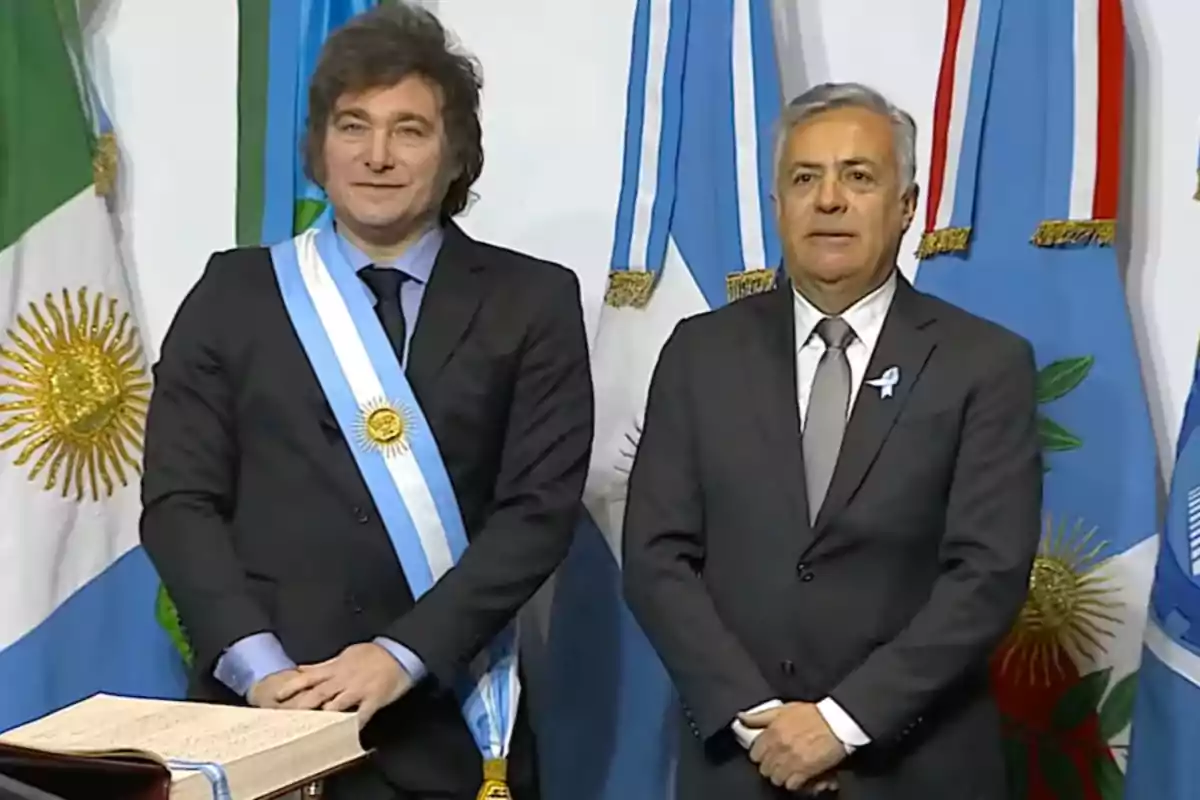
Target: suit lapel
x,y
451,299
907,339
773,367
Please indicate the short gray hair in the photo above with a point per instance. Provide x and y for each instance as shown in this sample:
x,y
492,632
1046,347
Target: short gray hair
x,y
829,96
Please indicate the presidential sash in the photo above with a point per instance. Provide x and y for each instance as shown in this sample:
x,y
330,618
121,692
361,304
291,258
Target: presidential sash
x,y
399,460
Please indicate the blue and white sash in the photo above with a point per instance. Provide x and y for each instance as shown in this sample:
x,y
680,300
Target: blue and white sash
x,y
398,459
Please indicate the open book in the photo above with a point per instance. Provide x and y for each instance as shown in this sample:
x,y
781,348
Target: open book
x,y
143,747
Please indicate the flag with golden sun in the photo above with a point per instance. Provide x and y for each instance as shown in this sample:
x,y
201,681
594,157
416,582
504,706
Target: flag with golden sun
x,y
1022,203
77,596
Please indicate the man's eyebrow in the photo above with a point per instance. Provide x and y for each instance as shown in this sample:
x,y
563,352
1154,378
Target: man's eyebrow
x,y
856,161
356,113
403,116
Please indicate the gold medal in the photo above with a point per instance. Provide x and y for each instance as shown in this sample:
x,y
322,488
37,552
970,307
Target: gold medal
x,y
495,780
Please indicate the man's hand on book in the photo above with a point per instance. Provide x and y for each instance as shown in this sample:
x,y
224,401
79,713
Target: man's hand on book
x,y
363,677
273,690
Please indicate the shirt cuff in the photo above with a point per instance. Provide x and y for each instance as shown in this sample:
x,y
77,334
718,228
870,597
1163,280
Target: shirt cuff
x,y
249,660
746,736
410,662
843,725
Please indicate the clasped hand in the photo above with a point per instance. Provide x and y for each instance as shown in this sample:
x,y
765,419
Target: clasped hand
x,y
363,677
796,748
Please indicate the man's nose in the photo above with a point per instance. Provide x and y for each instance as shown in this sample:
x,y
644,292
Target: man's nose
x,y
379,154
831,197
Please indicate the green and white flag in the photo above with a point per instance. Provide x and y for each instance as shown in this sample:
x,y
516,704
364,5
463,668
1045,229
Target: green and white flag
x,y
77,595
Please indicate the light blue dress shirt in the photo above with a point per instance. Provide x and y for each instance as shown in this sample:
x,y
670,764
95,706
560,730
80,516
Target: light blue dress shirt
x,y
253,658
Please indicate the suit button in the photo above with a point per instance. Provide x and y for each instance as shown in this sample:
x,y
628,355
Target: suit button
x,y
361,515
801,568
788,667
806,577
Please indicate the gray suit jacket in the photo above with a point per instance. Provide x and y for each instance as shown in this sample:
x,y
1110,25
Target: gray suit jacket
x,y
892,601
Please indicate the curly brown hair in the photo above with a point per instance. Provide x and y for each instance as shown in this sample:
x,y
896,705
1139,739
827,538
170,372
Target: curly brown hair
x,y
382,47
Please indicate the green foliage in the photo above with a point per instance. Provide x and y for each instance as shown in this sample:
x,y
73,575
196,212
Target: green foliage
x,y
1060,377
1055,381
1059,772
1063,758
1080,701
1117,711
306,213
168,617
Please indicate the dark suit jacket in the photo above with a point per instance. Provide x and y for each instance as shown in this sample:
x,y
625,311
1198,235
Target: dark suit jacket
x,y
257,519
891,603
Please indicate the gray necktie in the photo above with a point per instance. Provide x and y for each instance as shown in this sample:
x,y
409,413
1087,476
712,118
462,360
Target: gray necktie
x,y
828,403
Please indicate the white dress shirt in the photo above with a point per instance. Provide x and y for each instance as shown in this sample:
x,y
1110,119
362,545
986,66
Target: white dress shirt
x,y
865,318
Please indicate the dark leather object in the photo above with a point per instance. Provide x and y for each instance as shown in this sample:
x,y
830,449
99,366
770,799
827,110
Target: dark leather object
x,y
115,775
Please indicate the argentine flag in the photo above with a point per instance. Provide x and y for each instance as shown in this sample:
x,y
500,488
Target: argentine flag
x,y
77,594
694,229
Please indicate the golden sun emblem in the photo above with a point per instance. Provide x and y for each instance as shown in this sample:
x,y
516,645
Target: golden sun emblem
x,y
78,375
1067,613
385,426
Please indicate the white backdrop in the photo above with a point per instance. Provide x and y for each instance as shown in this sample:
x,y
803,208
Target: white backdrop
x,y
554,110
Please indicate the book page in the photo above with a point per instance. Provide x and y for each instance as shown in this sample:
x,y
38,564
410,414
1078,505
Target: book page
x,y
172,729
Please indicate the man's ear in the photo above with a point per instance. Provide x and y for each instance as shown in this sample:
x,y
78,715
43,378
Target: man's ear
x,y
911,195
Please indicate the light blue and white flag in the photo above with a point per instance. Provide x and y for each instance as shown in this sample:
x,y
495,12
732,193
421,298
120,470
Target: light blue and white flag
x,y
76,590
694,228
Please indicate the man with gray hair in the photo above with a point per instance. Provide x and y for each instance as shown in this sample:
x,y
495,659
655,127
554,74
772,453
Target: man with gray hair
x,y
836,499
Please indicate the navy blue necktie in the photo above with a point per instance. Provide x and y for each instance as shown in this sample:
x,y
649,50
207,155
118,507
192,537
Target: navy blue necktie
x,y
386,283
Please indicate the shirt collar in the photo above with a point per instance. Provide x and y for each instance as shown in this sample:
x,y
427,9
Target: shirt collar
x,y
416,262
865,317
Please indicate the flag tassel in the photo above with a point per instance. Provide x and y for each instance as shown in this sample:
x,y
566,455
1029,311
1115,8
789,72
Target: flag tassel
x,y
944,240
1057,232
629,288
748,282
